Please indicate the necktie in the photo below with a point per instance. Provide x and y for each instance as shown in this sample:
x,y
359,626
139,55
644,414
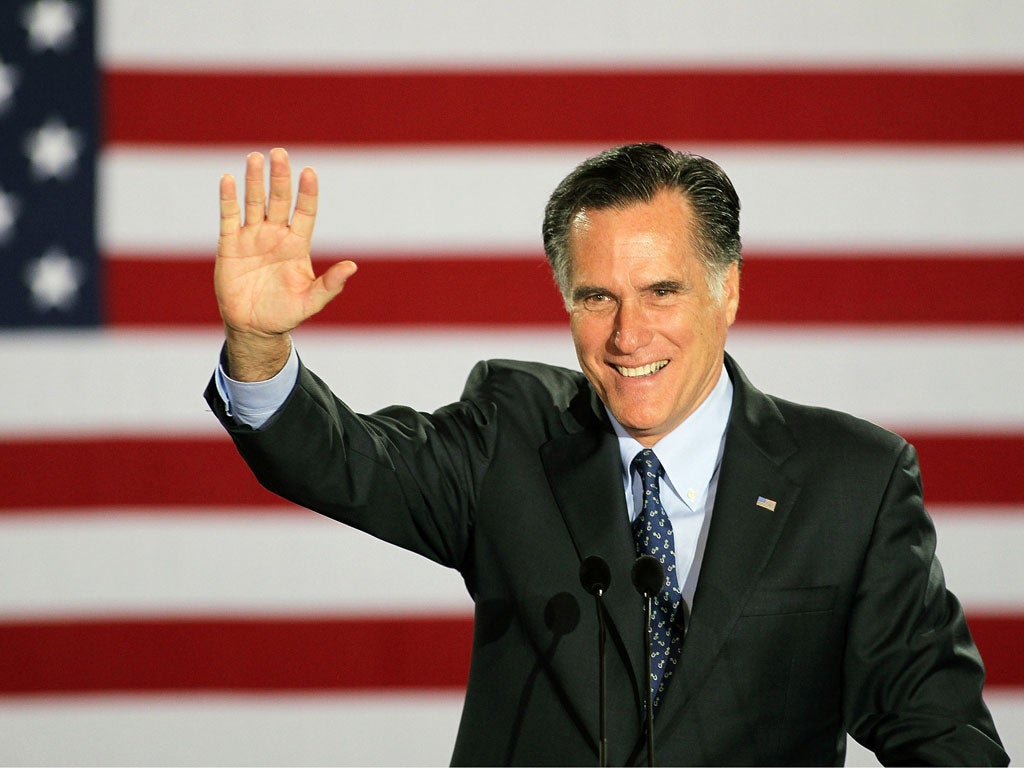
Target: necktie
x,y
652,532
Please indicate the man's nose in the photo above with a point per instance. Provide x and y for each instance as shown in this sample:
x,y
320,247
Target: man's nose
x,y
632,331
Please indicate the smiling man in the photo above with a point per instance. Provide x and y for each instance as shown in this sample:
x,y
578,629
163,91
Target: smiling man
x,y
800,596
648,324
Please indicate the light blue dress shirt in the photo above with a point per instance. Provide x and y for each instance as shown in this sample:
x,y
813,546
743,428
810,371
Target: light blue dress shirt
x,y
690,456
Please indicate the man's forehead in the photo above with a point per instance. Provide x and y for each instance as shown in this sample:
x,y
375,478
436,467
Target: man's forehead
x,y
661,227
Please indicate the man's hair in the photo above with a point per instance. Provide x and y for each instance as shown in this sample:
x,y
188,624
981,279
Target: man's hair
x,y
635,173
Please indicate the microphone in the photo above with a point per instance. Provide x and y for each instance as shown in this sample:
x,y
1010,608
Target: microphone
x,y
596,576
648,578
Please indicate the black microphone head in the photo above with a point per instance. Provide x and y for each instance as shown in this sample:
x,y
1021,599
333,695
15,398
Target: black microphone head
x,y
595,575
648,575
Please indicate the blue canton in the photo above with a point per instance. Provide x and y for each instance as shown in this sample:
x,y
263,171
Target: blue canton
x,y
49,120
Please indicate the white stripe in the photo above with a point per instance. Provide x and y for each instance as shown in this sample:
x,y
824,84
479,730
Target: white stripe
x,y
138,382
980,554
299,563
320,33
129,382
476,200
901,377
176,563
265,730
357,730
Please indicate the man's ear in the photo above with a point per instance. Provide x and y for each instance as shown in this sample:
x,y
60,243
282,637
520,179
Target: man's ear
x,y
731,292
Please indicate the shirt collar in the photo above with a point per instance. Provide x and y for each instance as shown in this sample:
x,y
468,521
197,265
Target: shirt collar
x,y
691,452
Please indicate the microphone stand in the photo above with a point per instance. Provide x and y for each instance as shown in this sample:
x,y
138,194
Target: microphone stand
x,y
648,578
647,668
595,577
601,683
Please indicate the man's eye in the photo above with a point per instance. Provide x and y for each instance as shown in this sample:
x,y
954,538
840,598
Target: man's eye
x,y
596,300
664,295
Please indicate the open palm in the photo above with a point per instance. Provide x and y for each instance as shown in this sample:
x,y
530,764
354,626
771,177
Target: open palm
x,y
264,279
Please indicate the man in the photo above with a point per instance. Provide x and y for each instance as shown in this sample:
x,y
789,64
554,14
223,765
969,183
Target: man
x,y
801,597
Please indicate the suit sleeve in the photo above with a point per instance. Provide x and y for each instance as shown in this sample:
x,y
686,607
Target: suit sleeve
x,y
912,675
403,476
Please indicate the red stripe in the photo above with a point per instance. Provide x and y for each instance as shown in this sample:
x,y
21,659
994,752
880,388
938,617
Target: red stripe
x,y
87,474
1000,639
495,291
273,654
557,106
934,289
517,290
235,654
951,462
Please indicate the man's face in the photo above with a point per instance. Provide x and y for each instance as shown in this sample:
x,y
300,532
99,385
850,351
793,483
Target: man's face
x,y
649,335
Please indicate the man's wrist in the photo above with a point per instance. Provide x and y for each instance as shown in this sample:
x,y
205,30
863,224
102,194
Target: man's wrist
x,y
252,357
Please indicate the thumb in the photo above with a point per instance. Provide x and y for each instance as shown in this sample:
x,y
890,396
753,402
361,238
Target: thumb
x,y
331,282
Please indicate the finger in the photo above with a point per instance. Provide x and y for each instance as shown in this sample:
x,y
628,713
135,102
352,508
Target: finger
x,y
280,203
330,284
229,211
255,194
305,204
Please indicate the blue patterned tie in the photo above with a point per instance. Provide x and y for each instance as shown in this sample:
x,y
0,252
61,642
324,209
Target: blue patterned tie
x,y
652,532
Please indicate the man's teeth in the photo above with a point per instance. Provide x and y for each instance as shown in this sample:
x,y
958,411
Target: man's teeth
x,y
643,370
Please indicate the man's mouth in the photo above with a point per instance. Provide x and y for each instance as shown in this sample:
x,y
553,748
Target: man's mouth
x,y
643,370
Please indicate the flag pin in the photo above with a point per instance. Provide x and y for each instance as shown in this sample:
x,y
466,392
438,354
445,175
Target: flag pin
x,y
768,504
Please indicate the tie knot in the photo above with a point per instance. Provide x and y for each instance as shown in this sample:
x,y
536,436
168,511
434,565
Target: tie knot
x,y
646,464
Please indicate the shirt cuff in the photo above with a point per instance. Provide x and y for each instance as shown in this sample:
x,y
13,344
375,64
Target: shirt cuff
x,y
252,403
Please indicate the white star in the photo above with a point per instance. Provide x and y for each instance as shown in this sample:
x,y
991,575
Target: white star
x,y
8,215
8,80
53,150
54,279
50,24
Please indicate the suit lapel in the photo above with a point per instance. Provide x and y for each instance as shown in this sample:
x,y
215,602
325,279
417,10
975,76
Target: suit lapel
x,y
584,472
741,537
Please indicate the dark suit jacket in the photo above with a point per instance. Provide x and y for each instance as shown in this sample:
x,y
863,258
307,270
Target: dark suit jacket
x,y
825,615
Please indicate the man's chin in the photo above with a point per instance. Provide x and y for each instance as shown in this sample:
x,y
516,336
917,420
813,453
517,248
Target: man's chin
x,y
636,425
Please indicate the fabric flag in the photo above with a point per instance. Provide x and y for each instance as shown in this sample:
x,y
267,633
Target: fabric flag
x,y
158,607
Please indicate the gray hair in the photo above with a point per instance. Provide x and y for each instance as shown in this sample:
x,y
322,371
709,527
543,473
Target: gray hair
x,y
635,173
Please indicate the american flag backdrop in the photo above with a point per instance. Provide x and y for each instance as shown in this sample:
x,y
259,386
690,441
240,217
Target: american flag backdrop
x,y
158,607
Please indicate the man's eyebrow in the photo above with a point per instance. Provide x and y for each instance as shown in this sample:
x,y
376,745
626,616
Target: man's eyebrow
x,y
667,285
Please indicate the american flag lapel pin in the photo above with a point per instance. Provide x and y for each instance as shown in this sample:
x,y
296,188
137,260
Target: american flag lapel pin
x,y
764,503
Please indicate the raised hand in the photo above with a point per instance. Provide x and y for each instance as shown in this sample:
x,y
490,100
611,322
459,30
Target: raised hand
x,y
263,278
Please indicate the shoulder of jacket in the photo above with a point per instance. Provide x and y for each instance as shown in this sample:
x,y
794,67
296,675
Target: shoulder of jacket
x,y
826,425
522,375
